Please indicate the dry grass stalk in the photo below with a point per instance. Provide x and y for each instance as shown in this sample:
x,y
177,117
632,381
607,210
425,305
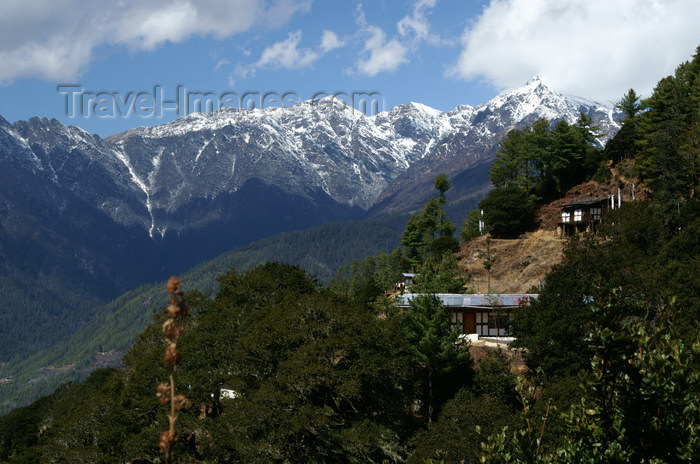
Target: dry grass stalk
x,y
166,391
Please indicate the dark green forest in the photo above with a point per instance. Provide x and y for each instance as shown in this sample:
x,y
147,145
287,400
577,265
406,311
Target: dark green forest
x,y
336,373
116,325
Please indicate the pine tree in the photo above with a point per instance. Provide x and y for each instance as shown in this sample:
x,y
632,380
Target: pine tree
x,y
434,345
430,224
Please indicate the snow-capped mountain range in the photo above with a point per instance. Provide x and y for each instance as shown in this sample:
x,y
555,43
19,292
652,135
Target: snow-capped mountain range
x,y
162,178
83,219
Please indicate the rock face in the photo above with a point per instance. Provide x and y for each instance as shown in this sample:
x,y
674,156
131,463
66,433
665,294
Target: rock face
x,y
470,139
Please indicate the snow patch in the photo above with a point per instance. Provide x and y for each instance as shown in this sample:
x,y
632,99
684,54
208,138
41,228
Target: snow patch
x,y
142,185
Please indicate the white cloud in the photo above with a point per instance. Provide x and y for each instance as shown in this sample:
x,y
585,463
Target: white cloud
x,y
242,72
384,56
220,63
330,41
360,17
287,54
281,10
417,25
591,48
55,39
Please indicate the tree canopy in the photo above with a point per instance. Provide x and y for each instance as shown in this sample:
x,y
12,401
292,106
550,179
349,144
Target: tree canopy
x,y
430,225
545,161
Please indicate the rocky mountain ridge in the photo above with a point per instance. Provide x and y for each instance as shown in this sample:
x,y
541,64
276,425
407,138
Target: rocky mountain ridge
x,y
145,176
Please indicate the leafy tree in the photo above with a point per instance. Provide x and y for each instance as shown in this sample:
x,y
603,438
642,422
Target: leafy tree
x,y
454,437
494,379
553,328
629,105
624,144
546,161
675,270
515,161
413,240
21,429
367,280
639,401
320,380
470,226
668,130
575,156
442,184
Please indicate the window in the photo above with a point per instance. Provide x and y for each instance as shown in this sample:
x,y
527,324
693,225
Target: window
x,y
493,320
578,215
457,320
565,216
498,320
596,213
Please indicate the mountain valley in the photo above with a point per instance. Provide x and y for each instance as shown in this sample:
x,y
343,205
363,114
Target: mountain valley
x,y
85,219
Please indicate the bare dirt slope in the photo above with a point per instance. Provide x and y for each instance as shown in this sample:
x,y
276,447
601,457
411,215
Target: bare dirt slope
x,y
549,215
520,265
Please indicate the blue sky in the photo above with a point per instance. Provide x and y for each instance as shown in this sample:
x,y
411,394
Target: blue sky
x,y
442,53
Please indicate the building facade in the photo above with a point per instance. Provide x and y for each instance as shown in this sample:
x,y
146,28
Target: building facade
x,y
582,215
482,314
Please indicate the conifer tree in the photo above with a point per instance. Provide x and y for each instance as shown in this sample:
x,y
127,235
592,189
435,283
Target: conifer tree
x,y
430,224
434,345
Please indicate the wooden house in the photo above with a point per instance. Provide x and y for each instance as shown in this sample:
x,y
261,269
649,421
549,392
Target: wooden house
x,y
481,314
582,215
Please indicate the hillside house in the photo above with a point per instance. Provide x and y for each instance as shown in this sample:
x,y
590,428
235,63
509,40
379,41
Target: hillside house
x,y
409,278
482,314
582,215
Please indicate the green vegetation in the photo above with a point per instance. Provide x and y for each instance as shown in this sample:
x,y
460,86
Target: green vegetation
x,y
620,313
278,368
317,377
546,161
509,211
534,165
430,232
638,399
428,250
488,403
436,350
117,324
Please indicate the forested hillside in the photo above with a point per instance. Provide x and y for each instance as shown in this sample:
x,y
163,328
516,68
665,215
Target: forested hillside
x,y
277,368
320,251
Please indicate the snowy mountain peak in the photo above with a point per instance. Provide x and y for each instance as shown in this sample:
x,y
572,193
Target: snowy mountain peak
x,y
320,147
534,82
425,109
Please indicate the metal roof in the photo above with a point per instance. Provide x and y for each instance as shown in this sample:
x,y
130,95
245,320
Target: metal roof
x,y
474,300
586,201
